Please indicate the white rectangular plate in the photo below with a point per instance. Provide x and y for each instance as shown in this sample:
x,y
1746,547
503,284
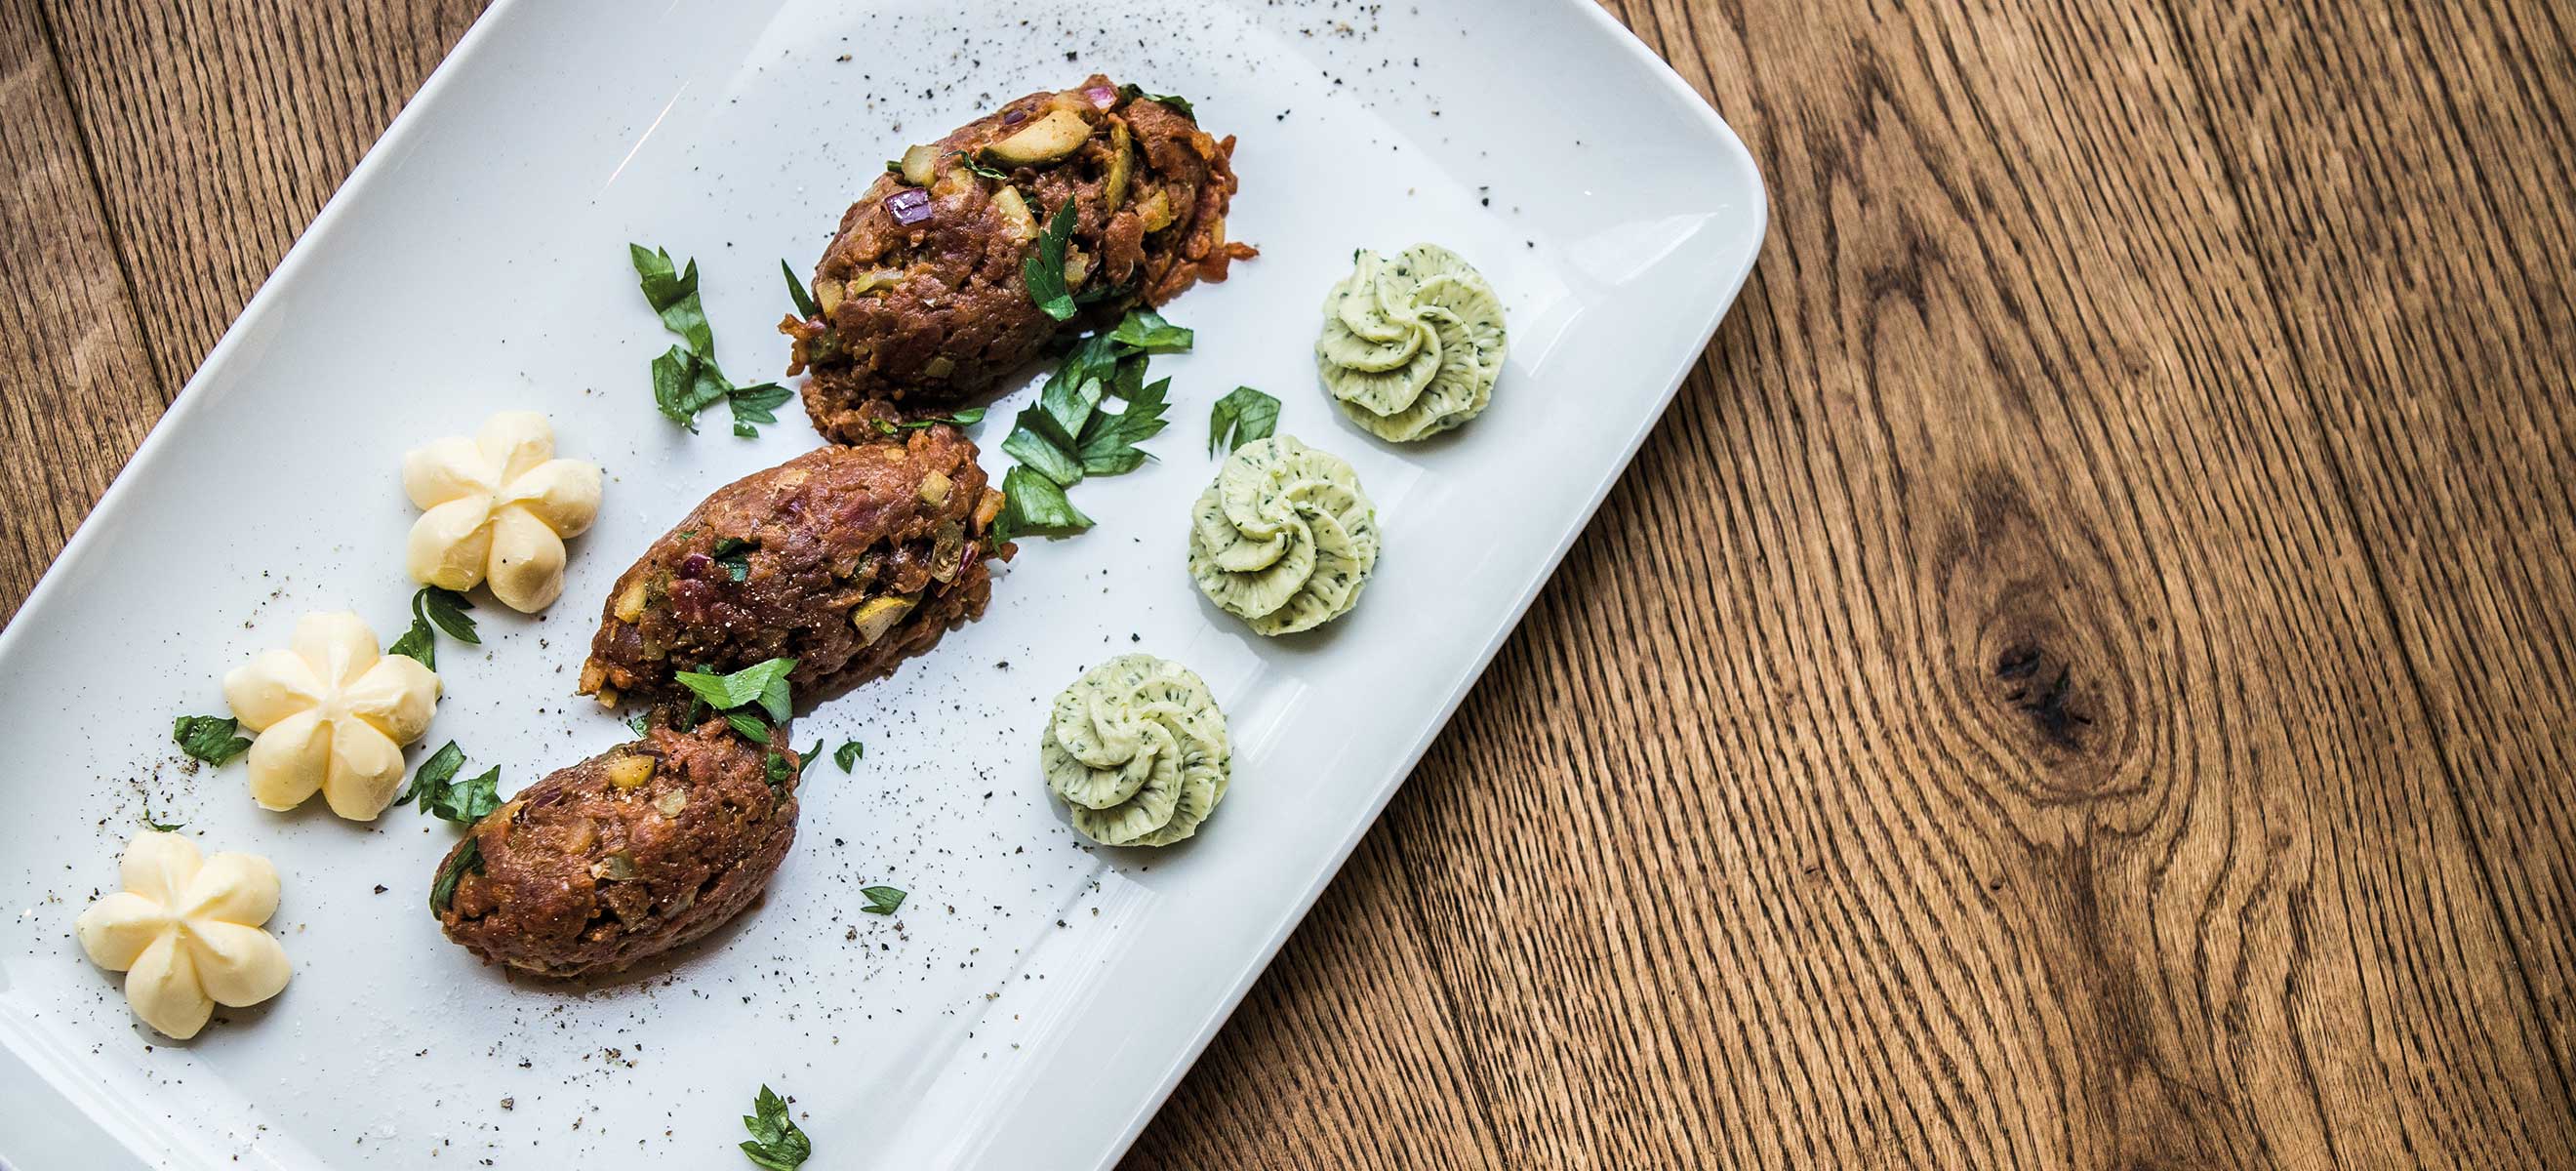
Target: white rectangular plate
x,y
1036,999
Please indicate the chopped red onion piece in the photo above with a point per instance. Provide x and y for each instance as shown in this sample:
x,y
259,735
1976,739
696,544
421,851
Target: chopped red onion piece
x,y
1014,117
908,206
1102,97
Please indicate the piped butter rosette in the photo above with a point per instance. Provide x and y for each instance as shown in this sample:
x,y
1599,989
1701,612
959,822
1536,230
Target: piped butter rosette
x,y
1412,344
1137,748
497,508
1284,538
331,714
186,931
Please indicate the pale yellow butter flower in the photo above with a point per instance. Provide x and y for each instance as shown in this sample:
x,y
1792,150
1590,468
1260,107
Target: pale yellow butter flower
x,y
332,714
498,507
186,933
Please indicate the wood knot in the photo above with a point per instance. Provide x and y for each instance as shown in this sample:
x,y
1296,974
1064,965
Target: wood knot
x,y
2039,685
2044,642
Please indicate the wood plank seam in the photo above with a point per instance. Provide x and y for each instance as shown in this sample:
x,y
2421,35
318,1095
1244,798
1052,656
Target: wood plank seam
x,y
2333,457
98,190
162,383
65,346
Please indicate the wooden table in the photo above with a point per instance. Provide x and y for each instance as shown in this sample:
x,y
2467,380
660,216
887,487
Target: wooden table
x,y
2081,679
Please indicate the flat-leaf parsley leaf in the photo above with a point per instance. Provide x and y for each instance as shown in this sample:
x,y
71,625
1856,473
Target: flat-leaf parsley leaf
x,y
763,683
686,379
1029,445
1032,503
441,795
848,754
472,799
1043,271
775,1141
209,738
756,404
1109,439
965,418
445,610
685,384
1242,417
673,295
442,889
1144,331
796,294
1068,436
882,900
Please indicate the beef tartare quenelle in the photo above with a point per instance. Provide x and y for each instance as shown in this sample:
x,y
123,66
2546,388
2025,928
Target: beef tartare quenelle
x,y
845,559
925,298
626,855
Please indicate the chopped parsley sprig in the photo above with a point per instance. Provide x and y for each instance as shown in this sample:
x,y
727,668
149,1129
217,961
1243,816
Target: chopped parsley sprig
x,y
1031,503
211,739
442,889
743,697
1243,416
443,796
775,1141
763,683
965,418
806,309
1070,434
686,379
446,610
1043,271
465,802
674,296
756,404
1107,444
1132,92
778,770
1144,331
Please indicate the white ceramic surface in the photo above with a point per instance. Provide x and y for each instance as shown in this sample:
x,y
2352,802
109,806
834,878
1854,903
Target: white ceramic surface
x,y
1036,999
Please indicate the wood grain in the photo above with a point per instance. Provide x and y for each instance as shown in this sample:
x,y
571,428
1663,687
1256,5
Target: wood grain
x,y
217,128
2081,678
2412,197
71,341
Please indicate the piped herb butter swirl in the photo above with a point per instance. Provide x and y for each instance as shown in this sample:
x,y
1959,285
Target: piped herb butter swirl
x,y
1284,538
1411,344
1138,749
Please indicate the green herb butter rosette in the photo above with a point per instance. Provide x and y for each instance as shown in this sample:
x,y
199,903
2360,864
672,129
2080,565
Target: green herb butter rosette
x,y
1137,747
1283,539
1411,345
